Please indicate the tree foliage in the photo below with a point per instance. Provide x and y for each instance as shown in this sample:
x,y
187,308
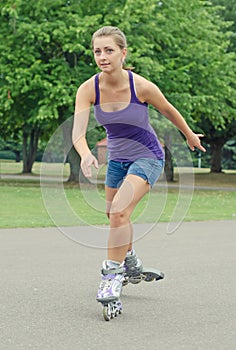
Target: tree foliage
x,y
43,61
184,47
217,135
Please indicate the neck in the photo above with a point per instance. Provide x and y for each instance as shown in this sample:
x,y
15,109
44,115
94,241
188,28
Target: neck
x,y
114,78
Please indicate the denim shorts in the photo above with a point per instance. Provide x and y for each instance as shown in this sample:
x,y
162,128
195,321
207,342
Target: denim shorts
x,y
146,168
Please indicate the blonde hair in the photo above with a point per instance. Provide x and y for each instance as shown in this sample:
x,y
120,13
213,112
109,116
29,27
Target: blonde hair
x,y
115,32
118,36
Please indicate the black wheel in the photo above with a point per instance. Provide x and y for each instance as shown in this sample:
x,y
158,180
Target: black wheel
x,y
149,277
125,282
107,313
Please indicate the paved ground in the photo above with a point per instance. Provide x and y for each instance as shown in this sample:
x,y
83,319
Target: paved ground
x,y
49,283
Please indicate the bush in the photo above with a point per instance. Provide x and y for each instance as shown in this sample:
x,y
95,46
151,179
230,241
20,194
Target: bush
x,y
7,155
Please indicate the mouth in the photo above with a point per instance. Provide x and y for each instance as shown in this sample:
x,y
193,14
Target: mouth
x,y
104,65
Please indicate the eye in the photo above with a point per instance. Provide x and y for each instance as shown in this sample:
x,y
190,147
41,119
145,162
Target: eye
x,y
109,50
97,52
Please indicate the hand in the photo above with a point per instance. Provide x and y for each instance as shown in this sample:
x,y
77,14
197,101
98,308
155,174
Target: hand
x,y
193,141
87,162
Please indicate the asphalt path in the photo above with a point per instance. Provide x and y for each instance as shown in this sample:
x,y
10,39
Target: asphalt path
x,y
49,284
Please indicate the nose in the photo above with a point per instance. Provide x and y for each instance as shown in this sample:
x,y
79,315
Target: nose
x,y
103,55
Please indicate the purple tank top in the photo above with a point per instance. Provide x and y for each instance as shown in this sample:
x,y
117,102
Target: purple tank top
x,y
129,133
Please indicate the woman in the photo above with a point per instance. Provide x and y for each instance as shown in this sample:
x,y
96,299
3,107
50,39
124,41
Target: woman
x,y
136,159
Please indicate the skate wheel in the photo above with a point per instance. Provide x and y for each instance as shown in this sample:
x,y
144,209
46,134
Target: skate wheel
x,y
135,280
151,274
119,308
125,282
107,313
149,277
116,312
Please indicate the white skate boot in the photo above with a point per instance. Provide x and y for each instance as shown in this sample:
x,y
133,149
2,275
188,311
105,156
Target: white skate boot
x,y
135,272
110,288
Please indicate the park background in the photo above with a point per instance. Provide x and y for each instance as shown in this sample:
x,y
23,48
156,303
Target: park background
x,y
49,283
187,49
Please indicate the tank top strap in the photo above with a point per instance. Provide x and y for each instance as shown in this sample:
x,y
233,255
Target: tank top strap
x,y
134,98
97,92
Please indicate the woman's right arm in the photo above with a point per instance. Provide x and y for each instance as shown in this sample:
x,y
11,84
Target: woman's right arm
x,y
84,98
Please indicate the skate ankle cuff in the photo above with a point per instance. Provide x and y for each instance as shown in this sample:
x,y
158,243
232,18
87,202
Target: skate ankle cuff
x,y
113,271
111,267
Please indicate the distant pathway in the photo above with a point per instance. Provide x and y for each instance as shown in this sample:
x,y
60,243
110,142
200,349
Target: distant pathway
x,y
158,184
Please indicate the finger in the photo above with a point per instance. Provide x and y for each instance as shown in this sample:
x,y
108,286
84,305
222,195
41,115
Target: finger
x,y
86,170
95,163
190,146
201,148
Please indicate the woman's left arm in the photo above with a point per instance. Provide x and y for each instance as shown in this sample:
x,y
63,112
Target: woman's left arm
x,y
152,95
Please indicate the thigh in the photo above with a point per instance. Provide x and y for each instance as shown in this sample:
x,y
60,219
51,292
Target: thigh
x,y
129,194
110,194
147,169
115,174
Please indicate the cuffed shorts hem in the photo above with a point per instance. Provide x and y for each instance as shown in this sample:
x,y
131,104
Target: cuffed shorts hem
x,y
146,168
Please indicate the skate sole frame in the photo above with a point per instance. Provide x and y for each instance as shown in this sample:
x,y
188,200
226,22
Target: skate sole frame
x,y
148,274
111,309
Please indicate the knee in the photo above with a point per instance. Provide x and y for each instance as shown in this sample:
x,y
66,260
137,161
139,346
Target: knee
x,y
118,219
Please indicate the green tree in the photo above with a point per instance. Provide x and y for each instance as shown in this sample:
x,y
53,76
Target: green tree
x,y
227,10
218,134
183,47
200,70
43,60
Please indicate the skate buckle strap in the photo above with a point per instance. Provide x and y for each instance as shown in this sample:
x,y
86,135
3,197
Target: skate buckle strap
x,y
112,271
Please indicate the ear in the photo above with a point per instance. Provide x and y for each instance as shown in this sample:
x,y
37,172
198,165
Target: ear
x,y
124,53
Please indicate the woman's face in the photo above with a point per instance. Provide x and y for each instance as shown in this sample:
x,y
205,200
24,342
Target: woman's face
x,y
107,54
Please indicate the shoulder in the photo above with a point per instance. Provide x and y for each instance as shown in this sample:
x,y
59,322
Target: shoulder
x,y
86,90
144,87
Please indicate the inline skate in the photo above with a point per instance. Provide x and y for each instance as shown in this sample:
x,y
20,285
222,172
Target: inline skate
x,y
110,289
135,272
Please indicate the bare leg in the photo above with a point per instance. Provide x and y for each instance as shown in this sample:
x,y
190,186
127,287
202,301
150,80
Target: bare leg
x,y
110,194
131,237
124,201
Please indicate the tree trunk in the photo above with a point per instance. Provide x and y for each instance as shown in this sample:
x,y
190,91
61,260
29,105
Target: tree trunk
x,y
169,168
29,151
74,160
71,155
17,154
216,149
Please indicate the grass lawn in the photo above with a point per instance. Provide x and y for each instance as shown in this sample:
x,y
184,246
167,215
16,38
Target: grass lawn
x,y
22,203
50,169
203,177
